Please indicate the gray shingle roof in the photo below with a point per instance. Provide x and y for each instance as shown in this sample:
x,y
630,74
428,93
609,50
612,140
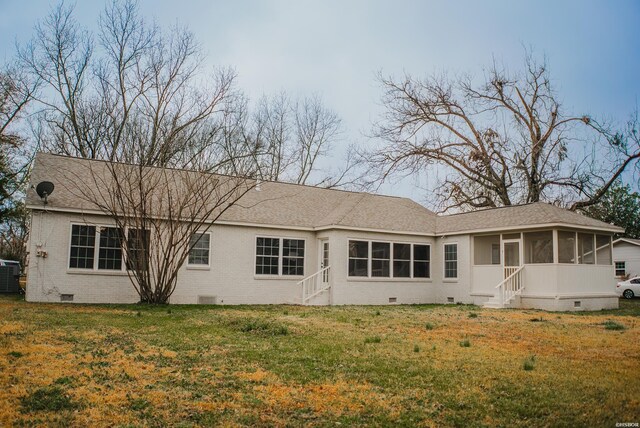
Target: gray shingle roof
x,y
291,205
276,204
529,215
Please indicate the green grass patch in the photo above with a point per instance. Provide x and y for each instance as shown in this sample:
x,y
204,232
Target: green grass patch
x,y
613,325
372,339
47,399
465,343
15,354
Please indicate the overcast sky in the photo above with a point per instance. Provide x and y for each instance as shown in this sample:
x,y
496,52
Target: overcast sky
x,y
335,48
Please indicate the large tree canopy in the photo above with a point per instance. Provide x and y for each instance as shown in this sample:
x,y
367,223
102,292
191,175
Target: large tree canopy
x,y
503,141
619,206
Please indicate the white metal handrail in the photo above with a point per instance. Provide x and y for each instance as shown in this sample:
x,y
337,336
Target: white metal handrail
x,y
315,284
511,285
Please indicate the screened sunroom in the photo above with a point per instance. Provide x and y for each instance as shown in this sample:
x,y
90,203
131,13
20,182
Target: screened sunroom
x,y
542,264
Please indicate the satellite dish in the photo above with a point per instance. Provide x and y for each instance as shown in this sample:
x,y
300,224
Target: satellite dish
x,y
44,189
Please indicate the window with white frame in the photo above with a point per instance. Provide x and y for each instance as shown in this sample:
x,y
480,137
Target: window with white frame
x,y
138,254
380,257
402,260
83,242
621,268
358,258
102,248
293,257
110,253
388,259
451,261
279,256
421,261
199,245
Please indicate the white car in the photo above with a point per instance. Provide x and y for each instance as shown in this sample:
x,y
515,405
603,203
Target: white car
x,y
629,288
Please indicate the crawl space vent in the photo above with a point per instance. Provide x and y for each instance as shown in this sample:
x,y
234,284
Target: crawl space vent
x,y
66,297
206,300
450,300
393,299
577,304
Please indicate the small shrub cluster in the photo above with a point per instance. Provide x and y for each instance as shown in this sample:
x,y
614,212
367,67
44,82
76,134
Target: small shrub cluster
x,y
261,327
465,343
429,326
613,325
529,363
473,315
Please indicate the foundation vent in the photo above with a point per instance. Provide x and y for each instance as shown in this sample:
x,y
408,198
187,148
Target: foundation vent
x,y
207,300
393,299
577,304
66,297
450,300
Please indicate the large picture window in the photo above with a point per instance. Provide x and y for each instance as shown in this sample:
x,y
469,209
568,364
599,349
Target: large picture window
x,y
83,242
199,252
102,248
279,256
451,261
389,259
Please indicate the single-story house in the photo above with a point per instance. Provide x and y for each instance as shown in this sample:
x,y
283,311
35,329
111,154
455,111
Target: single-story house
x,y
626,258
287,243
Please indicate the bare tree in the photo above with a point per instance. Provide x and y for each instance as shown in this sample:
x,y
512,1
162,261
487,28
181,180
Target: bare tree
x,y
159,214
133,76
501,142
16,92
288,141
135,100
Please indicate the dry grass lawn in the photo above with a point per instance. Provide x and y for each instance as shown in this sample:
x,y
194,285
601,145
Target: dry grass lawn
x,y
128,365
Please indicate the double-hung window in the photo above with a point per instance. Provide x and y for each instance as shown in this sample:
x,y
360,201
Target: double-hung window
x,y
621,268
110,254
103,248
451,261
380,256
358,258
279,256
402,260
83,243
292,257
421,261
138,255
199,245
